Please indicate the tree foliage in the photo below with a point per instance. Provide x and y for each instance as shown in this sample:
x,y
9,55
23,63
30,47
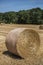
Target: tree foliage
x,y
32,16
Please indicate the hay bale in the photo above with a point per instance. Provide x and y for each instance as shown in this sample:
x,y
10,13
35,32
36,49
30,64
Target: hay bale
x,y
41,27
23,42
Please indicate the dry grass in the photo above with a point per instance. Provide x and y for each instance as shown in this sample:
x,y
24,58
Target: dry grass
x,y
7,58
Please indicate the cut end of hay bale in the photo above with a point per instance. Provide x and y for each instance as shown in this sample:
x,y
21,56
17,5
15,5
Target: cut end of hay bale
x,y
28,43
23,42
41,27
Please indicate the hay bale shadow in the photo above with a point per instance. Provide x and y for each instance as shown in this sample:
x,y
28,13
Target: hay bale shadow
x,y
7,53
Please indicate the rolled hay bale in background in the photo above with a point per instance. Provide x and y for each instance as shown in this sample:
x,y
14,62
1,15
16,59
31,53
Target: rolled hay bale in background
x,y
41,27
23,42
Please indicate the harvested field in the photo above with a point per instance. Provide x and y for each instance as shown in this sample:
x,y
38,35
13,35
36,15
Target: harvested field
x,y
7,58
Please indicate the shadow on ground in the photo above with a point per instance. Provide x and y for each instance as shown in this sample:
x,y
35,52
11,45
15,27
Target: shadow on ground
x,y
7,53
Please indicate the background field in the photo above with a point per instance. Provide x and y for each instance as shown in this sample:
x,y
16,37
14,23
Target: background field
x,y
6,58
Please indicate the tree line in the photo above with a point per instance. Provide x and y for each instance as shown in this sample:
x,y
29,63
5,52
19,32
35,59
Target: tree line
x,y
32,16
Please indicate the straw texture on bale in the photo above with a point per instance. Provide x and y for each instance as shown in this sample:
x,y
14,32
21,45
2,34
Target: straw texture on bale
x,y
23,42
41,27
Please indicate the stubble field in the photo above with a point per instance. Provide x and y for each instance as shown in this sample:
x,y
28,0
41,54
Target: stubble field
x,y
7,58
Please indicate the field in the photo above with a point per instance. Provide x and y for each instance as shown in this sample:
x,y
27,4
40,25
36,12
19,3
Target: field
x,y
7,58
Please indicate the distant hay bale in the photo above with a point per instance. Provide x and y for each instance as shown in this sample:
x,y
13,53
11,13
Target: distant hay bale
x,y
41,27
23,42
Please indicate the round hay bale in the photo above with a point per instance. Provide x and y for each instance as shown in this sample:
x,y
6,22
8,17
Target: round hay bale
x,y
41,27
23,42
